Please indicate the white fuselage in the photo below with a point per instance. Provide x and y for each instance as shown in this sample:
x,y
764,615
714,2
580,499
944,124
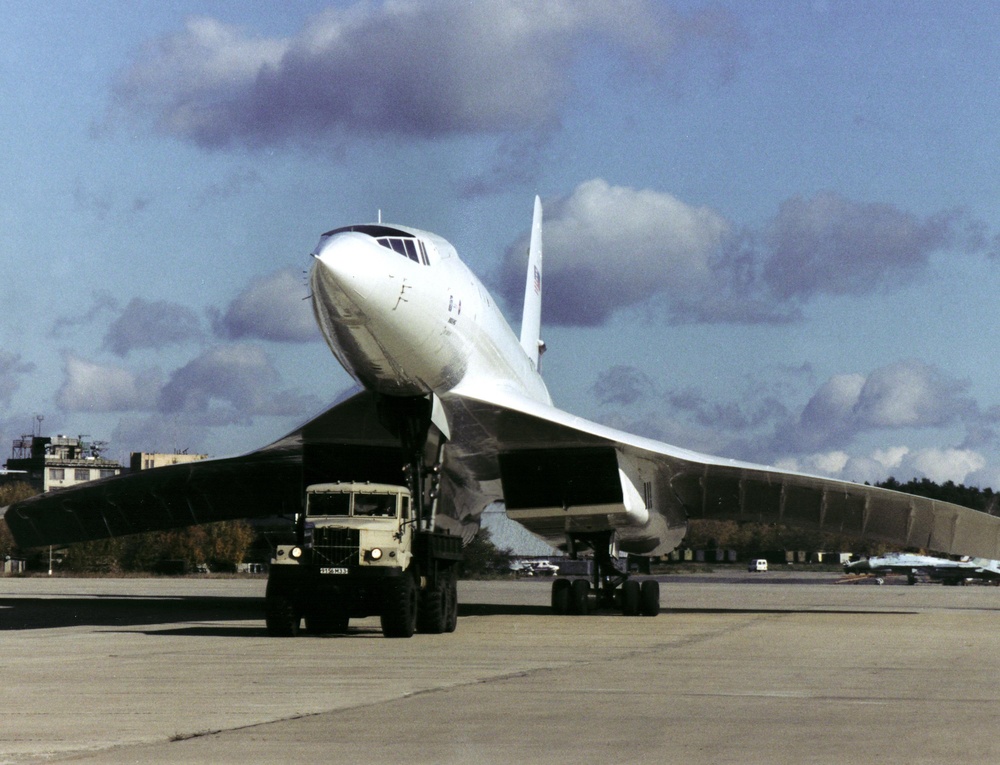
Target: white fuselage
x,y
403,326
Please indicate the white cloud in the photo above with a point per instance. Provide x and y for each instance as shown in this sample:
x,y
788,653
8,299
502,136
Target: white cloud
x,y
12,369
942,465
829,244
151,324
229,384
904,394
92,387
402,67
900,462
273,307
608,247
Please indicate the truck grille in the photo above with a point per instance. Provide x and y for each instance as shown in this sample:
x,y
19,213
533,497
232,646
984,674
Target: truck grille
x,y
335,547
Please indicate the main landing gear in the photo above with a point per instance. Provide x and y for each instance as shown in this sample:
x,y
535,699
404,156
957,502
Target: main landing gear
x,y
609,588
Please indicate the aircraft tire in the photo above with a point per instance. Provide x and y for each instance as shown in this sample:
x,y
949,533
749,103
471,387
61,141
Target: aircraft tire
x,y
649,598
281,617
579,597
432,612
630,597
399,610
560,596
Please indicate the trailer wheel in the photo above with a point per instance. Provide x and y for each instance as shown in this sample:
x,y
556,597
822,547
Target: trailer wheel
x,y
281,617
399,611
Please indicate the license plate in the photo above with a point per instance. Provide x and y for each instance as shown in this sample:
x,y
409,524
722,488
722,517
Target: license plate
x,y
333,570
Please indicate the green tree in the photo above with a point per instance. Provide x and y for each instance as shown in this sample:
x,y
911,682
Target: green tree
x,y
222,546
483,558
12,492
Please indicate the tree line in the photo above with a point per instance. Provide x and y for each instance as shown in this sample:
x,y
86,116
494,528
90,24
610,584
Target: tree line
x,y
217,546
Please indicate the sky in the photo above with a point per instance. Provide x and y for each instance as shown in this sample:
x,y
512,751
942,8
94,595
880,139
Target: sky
x,y
771,228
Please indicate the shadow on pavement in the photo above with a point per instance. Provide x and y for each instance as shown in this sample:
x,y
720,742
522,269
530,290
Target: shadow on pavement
x,y
48,613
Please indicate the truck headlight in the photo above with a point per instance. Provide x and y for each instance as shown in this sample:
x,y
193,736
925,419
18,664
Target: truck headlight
x,y
296,552
376,553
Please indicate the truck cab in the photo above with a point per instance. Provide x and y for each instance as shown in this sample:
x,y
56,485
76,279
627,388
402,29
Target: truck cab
x,y
358,552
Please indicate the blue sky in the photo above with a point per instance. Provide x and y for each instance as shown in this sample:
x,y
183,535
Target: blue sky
x,y
771,228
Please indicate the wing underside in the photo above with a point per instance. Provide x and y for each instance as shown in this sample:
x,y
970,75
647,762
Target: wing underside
x,y
585,462
342,443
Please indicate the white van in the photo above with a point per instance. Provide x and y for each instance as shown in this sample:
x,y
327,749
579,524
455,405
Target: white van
x,y
757,564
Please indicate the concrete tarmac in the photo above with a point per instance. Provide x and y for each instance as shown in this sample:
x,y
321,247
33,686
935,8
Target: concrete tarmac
x,y
750,669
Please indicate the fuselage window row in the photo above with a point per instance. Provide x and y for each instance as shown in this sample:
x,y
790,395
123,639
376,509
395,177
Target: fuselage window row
x,y
409,248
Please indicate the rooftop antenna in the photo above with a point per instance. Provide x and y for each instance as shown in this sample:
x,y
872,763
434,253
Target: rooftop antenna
x,y
38,420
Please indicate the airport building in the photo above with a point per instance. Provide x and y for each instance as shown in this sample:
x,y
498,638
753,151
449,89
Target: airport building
x,y
149,460
56,462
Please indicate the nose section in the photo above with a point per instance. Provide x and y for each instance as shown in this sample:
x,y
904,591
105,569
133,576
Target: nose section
x,y
345,266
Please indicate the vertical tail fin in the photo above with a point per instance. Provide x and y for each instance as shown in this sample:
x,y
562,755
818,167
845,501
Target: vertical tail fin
x,y
531,319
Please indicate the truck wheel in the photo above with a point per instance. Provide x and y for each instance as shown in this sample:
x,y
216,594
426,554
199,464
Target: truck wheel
x,y
399,609
451,617
281,617
433,610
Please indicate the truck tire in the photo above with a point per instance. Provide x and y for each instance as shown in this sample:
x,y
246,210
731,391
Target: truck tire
x,y
433,610
280,616
399,608
451,617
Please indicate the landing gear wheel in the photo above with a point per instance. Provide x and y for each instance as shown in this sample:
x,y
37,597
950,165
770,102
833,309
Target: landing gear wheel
x,y
399,612
281,617
451,612
631,597
649,598
579,597
433,611
560,596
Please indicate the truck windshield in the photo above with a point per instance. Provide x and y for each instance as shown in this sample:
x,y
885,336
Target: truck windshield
x,y
375,504
329,504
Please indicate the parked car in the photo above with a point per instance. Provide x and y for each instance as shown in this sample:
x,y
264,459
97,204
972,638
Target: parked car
x,y
544,568
757,564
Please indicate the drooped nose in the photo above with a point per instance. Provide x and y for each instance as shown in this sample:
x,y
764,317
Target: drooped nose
x,y
350,265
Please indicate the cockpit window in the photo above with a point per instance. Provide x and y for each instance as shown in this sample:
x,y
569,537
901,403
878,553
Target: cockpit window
x,y
407,247
395,239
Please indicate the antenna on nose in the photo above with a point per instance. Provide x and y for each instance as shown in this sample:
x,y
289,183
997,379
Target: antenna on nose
x,y
380,216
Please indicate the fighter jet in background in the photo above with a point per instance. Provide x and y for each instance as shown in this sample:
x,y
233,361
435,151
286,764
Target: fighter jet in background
x,y
916,567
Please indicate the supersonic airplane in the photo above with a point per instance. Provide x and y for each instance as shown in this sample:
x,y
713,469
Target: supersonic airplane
x,y
446,387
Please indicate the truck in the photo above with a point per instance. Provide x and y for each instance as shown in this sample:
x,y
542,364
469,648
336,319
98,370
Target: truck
x,y
361,549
